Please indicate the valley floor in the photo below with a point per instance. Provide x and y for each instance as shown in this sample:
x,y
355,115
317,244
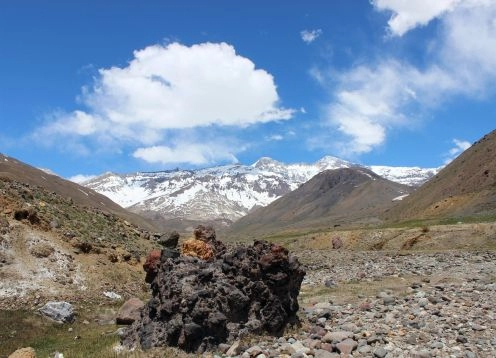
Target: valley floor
x,y
393,303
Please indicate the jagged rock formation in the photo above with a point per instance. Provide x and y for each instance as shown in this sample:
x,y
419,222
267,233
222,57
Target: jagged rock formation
x,y
198,304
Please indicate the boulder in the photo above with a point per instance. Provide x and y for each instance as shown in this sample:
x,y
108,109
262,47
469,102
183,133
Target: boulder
x,y
170,241
24,353
198,304
59,311
130,311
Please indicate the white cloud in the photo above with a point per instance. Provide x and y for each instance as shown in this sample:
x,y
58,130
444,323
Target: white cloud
x,y
192,153
81,178
369,101
309,36
407,14
275,137
460,146
166,89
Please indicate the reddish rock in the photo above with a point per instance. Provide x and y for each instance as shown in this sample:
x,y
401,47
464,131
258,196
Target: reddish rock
x,y
151,265
337,243
130,311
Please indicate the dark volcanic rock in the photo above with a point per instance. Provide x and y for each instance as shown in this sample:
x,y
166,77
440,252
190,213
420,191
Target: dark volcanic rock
x,y
198,304
170,241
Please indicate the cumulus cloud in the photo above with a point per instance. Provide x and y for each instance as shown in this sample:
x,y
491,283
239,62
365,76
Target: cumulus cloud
x,y
171,88
370,100
309,36
192,153
459,147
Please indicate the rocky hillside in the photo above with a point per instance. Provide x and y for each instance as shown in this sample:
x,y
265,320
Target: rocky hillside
x,y
331,198
223,194
58,239
464,188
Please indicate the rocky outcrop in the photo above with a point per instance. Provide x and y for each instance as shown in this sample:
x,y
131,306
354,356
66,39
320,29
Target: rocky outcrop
x,y
197,304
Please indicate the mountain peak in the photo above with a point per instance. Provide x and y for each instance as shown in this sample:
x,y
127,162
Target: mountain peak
x,y
266,163
330,162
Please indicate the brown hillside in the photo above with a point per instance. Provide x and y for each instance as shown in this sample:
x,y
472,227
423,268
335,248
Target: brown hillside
x,y
464,188
331,198
59,240
14,169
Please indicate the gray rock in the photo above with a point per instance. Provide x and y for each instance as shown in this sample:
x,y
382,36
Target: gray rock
x,y
421,354
321,353
380,352
336,337
59,311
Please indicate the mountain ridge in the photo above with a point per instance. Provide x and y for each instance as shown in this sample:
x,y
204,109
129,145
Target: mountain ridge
x,y
223,194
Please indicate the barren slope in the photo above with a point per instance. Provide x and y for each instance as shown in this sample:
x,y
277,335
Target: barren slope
x,y
331,198
464,188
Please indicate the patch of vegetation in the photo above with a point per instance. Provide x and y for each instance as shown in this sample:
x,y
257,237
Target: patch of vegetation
x,y
23,328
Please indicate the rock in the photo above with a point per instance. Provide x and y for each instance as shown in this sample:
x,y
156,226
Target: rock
x,y
234,350
420,354
320,353
337,243
151,265
254,351
336,337
197,304
380,352
112,295
388,300
130,311
61,311
24,353
347,346
364,350
197,248
330,283
169,241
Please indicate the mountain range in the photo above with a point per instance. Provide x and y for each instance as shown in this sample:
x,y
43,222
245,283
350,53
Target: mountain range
x,y
181,198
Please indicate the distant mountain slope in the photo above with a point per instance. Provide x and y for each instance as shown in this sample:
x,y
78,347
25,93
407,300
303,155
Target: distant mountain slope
x,y
333,197
223,194
17,170
466,187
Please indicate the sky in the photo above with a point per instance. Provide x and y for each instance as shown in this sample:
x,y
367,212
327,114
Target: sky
x,y
92,86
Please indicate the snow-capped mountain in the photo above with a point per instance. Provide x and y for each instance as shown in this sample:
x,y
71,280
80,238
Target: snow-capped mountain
x,y
227,192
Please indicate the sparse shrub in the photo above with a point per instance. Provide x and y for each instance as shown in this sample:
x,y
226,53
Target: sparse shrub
x,y
425,229
42,250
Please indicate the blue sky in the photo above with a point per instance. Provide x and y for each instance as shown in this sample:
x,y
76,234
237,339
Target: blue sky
x,y
123,86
